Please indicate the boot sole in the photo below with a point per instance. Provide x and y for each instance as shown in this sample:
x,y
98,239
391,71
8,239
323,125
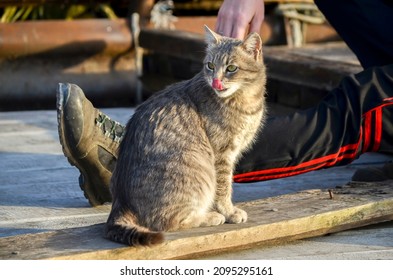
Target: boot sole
x,y
83,183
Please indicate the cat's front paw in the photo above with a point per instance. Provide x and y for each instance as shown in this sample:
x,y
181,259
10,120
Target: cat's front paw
x,y
238,216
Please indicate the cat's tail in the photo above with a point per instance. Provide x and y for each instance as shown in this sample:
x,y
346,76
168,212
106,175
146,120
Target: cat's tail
x,y
133,235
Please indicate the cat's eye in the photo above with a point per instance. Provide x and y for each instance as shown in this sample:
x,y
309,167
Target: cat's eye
x,y
210,66
232,68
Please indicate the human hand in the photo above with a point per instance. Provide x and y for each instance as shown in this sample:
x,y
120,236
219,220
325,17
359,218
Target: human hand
x,y
235,16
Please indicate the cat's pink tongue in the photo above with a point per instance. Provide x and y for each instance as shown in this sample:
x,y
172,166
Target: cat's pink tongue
x,y
217,84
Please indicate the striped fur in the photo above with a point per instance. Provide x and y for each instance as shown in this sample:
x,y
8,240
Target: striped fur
x,y
177,157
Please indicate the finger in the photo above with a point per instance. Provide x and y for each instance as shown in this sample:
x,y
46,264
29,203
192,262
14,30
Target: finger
x,y
218,24
224,28
255,24
238,32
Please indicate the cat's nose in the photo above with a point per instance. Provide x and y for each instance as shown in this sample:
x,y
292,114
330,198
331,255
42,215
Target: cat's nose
x,y
217,84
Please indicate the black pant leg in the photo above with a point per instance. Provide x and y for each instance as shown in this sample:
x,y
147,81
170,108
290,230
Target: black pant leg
x,y
365,25
353,119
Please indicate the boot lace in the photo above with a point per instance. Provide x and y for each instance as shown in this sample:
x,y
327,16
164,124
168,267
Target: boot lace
x,y
111,129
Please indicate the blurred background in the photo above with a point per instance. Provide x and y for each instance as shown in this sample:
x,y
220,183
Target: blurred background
x,y
118,61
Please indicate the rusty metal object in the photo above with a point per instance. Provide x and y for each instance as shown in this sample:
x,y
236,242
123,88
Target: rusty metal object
x,y
318,33
143,8
177,43
4,3
95,54
64,37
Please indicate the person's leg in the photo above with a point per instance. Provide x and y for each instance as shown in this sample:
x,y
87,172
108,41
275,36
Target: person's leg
x,y
354,118
366,33
365,26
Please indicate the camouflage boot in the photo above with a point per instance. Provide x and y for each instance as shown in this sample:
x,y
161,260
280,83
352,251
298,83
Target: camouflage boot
x,y
90,140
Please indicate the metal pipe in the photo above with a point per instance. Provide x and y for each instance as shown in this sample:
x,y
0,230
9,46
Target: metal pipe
x,y
95,54
20,3
64,37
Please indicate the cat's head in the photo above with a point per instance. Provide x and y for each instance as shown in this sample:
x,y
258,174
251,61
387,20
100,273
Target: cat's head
x,y
232,64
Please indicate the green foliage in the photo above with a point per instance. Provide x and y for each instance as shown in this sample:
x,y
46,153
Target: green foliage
x,y
47,11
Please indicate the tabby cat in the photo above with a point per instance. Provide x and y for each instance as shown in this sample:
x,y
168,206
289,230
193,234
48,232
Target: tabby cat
x,y
177,157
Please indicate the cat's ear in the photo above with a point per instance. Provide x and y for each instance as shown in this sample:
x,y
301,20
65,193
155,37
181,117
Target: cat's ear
x,y
211,37
253,45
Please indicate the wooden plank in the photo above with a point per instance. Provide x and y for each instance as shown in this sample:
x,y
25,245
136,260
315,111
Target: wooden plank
x,y
276,219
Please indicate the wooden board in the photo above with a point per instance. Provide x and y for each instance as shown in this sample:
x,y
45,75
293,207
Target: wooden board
x,y
283,218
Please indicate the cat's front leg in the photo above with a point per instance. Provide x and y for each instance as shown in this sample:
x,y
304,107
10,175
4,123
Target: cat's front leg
x,y
238,216
223,200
